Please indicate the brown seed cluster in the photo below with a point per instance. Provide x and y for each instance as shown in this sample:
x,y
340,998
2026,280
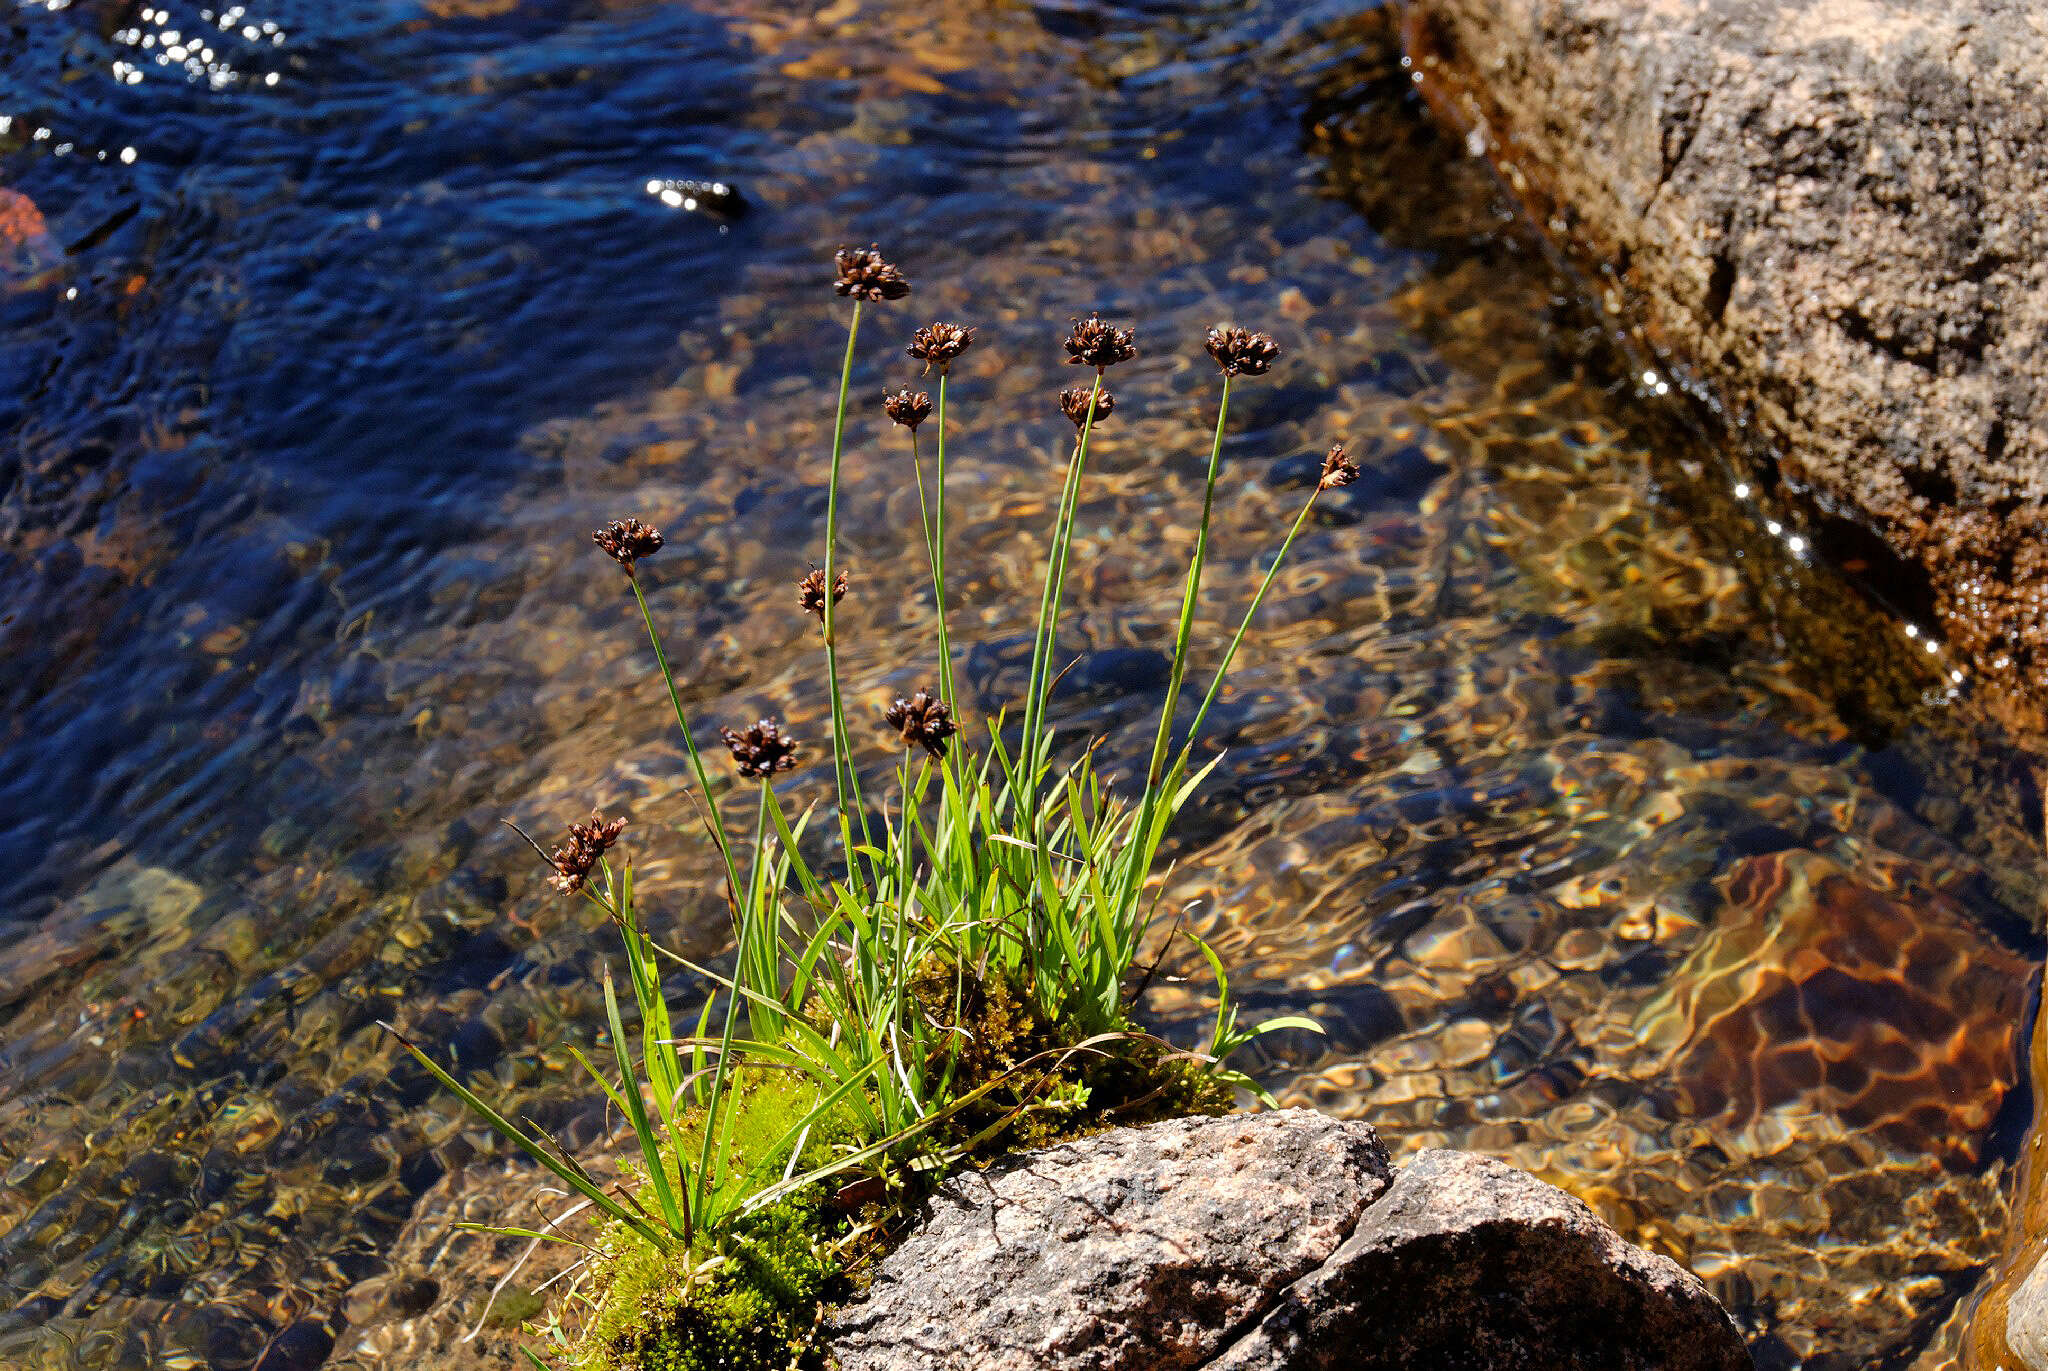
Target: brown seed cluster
x,y
762,750
810,592
1074,404
1096,344
1338,469
587,843
626,541
864,275
1240,352
907,407
923,721
936,345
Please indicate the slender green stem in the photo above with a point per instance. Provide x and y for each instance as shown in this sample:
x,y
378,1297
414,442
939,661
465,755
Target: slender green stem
x,y
900,908
1158,784
675,699
924,510
704,1182
1258,598
939,559
1049,612
934,543
758,949
1191,594
931,519
845,777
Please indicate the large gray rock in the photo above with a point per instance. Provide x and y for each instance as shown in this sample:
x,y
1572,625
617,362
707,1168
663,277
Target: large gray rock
x,y
1468,1264
1829,213
1143,1249
1273,1242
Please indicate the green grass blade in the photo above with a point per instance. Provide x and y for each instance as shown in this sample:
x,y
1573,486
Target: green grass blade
x,y
522,1233
636,1113
675,700
1191,593
532,1147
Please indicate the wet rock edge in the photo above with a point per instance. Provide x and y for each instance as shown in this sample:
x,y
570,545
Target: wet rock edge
x,y
1895,408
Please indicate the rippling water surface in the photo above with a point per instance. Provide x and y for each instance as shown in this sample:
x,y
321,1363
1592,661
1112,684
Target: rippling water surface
x,y
1602,828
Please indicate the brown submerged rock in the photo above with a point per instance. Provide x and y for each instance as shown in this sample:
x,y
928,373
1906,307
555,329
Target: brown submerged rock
x,y
1828,215
1273,1242
1897,1011
27,252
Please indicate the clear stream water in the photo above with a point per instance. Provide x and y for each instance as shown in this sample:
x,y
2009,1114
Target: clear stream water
x,y
1603,828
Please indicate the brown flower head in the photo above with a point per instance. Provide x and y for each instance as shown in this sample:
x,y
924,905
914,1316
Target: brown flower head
x,y
1240,352
762,750
923,721
1099,345
1074,404
574,860
1338,469
907,407
865,276
626,541
810,592
936,345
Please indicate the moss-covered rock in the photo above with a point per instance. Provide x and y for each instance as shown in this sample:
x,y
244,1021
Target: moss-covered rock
x,y
751,1298
748,1305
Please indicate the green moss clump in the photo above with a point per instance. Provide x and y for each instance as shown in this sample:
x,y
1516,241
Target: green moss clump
x,y
752,1301
750,1306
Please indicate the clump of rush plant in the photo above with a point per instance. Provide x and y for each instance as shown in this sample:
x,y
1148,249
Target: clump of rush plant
x,y
960,979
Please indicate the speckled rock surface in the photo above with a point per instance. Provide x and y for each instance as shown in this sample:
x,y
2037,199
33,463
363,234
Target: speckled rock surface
x,y
1273,1243
1467,1264
1143,1249
1827,215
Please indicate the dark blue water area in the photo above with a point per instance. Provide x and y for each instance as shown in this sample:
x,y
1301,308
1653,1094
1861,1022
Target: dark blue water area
x,y
360,287
292,346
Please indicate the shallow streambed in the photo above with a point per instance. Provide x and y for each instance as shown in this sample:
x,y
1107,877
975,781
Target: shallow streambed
x,y
1604,830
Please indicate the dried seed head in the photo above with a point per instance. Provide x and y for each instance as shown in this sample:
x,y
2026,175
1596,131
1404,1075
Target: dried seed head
x,y
1074,404
574,860
762,750
936,345
626,541
923,721
1240,352
810,592
907,407
1338,469
865,276
1099,345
